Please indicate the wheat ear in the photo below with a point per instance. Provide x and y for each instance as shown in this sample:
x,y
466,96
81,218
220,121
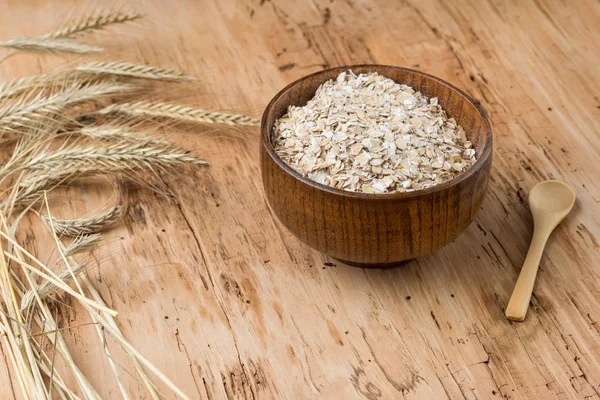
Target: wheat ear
x,y
27,113
46,288
91,23
178,112
115,133
25,84
52,82
132,70
112,157
82,243
50,46
49,169
88,224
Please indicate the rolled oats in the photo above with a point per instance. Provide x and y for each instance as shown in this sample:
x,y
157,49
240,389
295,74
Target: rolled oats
x,y
367,133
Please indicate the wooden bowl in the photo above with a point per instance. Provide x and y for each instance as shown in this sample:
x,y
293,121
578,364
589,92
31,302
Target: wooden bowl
x,y
377,230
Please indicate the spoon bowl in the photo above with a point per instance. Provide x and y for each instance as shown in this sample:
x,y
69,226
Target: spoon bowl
x,y
551,197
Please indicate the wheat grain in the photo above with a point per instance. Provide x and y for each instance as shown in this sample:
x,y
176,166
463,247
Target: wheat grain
x,y
178,112
85,225
92,23
133,70
29,194
50,46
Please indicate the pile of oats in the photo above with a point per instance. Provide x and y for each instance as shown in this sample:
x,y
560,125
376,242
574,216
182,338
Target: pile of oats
x,y
367,133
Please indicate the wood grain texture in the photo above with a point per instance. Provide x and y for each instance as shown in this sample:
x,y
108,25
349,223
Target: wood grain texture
x,y
376,230
215,291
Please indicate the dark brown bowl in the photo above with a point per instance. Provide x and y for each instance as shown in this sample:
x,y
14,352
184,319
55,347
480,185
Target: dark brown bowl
x,y
377,230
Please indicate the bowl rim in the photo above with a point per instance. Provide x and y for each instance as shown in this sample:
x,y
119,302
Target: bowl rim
x,y
481,160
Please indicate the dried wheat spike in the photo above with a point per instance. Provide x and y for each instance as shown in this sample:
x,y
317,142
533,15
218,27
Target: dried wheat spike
x,y
50,46
24,114
133,70
85,225
115,133
21,85
83,92
55,81
179,112
92,23
81,243
50,169
46,288
111,157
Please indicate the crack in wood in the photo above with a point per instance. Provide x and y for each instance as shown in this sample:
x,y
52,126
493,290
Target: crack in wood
x,y
403,387
310,378
199,246
180,345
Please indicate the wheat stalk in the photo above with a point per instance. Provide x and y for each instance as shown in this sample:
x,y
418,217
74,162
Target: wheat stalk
x,y
45,320
103,317
77,227
11,326
133,70
48,274
51,152
92,23
178,112
50,46
110,320
45,365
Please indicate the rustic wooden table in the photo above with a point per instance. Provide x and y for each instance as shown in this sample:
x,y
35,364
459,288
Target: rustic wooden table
x,y
213,290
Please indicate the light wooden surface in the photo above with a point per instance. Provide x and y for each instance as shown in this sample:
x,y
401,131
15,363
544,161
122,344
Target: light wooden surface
x,y
215,292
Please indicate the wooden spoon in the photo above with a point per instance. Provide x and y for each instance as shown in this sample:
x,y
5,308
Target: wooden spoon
x,y
550,202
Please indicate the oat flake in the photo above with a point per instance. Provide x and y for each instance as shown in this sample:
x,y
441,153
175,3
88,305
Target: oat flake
x,y
367,133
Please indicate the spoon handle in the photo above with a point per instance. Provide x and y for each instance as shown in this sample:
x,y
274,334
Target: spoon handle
x,y
519,301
